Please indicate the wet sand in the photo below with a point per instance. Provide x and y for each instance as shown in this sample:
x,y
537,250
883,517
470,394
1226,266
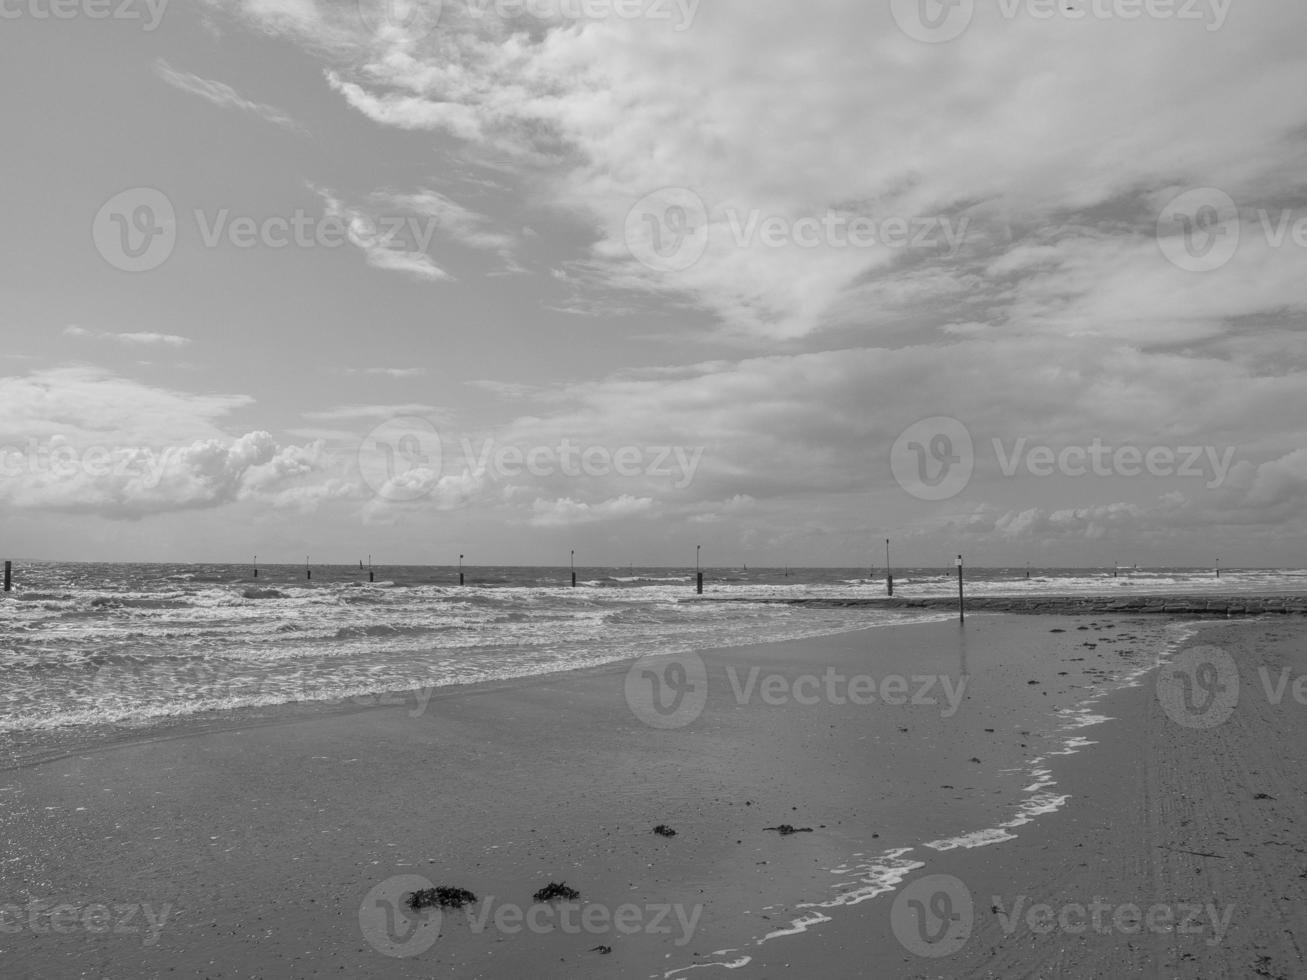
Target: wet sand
x,y
275,844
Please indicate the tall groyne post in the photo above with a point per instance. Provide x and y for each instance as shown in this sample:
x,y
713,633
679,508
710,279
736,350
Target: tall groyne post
x,y
962,612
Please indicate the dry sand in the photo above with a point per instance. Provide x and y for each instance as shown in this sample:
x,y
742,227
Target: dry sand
x,y
253,847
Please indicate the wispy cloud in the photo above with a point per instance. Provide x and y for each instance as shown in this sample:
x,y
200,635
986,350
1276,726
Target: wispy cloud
x,y
375,412
221,94
140,338
377,239
388,372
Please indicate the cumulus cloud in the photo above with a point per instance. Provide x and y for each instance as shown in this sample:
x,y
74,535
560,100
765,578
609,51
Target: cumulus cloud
x,y
83,440
855,120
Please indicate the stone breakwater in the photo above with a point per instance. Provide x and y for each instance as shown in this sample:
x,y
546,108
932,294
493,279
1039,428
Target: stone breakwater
x,y
1183,605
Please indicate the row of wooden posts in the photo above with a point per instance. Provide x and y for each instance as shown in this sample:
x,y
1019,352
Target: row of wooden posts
x,y
698,574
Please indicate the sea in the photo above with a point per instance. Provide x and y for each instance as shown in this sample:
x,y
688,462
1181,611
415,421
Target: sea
x,y
94,649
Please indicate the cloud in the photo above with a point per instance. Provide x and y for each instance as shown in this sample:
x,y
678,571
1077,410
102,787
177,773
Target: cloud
x,y
139,339
380,242
82,440
222,95
854,120
76,402
376,412
389,372
130,482
566,511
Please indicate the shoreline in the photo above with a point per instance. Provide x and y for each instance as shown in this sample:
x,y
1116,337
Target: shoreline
x,y
1180,854
554,778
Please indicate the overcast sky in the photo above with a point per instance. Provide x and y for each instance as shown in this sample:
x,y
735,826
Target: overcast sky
x,y
1020,280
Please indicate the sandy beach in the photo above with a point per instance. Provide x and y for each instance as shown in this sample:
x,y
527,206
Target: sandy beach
x,y
283,843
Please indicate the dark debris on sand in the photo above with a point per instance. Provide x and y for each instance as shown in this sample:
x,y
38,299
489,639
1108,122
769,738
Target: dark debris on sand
x,y
441,896
786,829
556,889
662,830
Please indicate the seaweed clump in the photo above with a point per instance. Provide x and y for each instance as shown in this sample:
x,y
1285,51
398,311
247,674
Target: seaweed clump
x,y
662,830
556,889
441,896
786,829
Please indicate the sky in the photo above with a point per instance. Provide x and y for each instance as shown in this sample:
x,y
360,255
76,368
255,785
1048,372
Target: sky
x,y
1020,280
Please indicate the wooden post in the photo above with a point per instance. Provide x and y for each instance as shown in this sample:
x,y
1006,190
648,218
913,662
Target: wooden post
x,y
308,572
460,569
698,575
256,566
962,614
889,576
573,564
1218,569
9,575
371,576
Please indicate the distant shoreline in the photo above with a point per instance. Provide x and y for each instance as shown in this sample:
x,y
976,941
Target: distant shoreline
x,y
1227,604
